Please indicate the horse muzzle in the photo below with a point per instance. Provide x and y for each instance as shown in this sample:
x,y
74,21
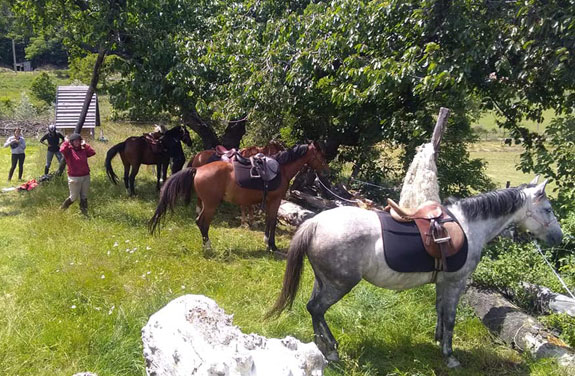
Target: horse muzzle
x,y
554,237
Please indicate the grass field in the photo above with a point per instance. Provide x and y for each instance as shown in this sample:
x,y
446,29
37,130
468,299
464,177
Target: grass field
x,y
12,85
75,292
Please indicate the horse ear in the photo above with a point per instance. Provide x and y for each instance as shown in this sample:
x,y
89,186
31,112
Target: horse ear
x,y
535,180
540,189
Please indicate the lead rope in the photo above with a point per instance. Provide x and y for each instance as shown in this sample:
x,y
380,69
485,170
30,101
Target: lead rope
x,y
553,270
333,193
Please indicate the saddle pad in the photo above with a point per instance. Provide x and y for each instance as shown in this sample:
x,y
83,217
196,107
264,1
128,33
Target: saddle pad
x,y
404,251
244,180
214,158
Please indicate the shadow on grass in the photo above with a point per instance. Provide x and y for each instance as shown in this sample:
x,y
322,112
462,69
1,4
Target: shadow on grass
x,y
425,358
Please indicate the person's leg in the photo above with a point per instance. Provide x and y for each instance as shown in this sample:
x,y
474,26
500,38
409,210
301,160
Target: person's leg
x,y
84,194
13,167
49,157
21,158
74,184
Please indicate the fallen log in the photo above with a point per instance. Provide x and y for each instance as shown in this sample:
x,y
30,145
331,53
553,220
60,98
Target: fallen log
x,y
293,213
311,202
546,300
518,329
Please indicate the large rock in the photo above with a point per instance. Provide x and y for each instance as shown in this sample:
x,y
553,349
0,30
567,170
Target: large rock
x,y
193,336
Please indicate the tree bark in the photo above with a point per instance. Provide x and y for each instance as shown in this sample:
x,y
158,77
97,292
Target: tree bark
x,y
518,329
192,119
440,126
91,89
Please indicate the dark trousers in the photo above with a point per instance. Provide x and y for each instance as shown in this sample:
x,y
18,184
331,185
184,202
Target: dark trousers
x,y
17,159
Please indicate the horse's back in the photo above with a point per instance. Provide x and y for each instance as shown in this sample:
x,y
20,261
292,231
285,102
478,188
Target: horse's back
x,y
348,241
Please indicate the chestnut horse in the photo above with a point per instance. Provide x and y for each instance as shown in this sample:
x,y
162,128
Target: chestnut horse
x,y
207,156
215,182
136,151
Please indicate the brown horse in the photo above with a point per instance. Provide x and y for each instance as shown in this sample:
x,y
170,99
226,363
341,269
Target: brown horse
x,y
207,156
216,182
136,151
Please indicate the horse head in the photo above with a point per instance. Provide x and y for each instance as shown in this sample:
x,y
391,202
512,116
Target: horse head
x,y
317,157
185,136
539,218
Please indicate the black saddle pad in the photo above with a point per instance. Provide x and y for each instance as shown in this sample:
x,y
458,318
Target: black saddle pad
x,y
244,180
214,158
404,251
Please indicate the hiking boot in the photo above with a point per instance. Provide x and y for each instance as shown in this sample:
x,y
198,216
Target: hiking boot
x,y
66,204
46,170
84,206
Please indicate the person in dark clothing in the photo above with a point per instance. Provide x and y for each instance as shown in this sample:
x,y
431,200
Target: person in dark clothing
x,y
54,139
18,145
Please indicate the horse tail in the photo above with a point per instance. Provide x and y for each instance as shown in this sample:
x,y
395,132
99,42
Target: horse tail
x,y
178,185
109,156
294,267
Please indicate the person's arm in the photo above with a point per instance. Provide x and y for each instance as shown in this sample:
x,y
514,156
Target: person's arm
x,y
8,141
22,143
65,148
89,151
60,135
44,138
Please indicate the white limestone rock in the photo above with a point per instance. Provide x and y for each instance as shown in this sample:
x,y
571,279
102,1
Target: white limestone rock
x,y
193,336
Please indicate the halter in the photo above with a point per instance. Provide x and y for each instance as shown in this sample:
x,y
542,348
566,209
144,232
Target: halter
x,y
529,214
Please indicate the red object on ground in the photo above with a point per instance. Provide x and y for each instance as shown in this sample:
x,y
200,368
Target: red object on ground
x,y
29,185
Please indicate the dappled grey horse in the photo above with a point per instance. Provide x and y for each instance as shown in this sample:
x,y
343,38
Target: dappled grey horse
x,y
345,245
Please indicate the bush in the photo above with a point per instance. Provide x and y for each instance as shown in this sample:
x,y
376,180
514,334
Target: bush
x,y
44,89
25,109
6,107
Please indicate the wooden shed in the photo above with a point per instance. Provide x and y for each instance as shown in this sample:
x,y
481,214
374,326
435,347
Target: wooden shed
x,y
69,102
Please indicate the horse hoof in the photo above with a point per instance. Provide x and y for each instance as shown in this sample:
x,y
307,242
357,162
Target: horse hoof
x,y
279,255
453,363
332,356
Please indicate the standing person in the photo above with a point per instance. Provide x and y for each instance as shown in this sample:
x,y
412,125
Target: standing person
x,y
53,137
18,145
76,153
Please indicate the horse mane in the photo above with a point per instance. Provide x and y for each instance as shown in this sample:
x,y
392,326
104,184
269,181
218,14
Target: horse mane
x,y
292,154
492,204
172,132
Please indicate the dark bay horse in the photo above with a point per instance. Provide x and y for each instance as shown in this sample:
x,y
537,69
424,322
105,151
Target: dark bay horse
x,y
215,182
136,151
345,245
208,156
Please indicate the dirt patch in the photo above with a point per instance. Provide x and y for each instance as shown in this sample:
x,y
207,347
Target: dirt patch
x,y
29,128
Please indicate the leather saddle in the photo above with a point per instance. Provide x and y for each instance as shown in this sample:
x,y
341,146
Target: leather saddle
x,y
154,139
442,236
263,167
225,155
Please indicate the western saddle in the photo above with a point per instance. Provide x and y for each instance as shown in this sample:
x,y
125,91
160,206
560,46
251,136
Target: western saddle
x,y
154,139
442,236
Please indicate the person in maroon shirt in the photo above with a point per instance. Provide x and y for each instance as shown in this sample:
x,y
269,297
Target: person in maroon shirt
x,y
76,153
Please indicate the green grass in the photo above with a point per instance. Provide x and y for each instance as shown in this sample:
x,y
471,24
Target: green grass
x,y
12,84
488,121
73,301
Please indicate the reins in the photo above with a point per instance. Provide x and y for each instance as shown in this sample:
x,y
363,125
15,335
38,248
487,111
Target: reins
x,y
552,269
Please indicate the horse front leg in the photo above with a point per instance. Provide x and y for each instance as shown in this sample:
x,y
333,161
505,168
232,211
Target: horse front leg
x,y
450,294
271,223
439,311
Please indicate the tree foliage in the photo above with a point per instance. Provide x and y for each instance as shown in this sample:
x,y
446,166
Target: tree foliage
x,y
352,73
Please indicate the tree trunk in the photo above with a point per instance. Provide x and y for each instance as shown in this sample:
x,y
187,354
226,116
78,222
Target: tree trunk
x,y
518,329
234,133
91,89
192,119
439,129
